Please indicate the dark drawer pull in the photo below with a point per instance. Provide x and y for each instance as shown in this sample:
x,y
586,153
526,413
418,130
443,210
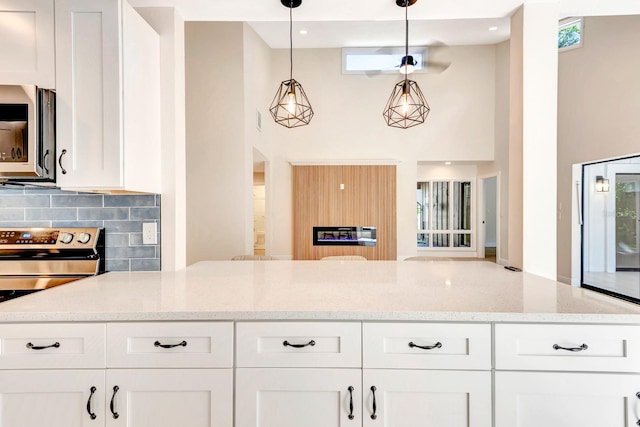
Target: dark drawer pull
x,y
288,344
91,413
42,347
180,344
581,348
351,416
426,347
375,407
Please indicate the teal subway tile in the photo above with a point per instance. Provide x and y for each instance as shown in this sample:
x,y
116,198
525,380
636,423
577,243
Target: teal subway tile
x,y
51,214
129,200
11,214
103,213
116,240
77,200
10,191
123,226
117,265
89,224
145,265
25,201
131,252
145,213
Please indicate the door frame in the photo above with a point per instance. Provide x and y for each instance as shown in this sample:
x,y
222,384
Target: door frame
x,y
481,214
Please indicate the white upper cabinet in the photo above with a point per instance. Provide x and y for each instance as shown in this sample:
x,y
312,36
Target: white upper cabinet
x,y
108,97
27,43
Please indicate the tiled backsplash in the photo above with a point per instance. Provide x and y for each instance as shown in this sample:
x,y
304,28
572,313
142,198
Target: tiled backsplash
x,y
121,216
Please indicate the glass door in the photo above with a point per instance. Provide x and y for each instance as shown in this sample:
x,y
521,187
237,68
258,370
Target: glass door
x,y
611,231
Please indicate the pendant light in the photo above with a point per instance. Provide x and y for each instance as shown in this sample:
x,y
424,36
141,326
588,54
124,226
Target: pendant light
x,y
291,107
406,106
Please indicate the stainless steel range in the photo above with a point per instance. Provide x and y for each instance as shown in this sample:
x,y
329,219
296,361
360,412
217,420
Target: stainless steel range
x,y
34,259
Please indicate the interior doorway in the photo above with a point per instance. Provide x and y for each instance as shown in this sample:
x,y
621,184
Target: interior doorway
x,y
259,204
489,232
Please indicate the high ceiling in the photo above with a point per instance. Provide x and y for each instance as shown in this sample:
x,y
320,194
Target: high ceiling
x,y
339,23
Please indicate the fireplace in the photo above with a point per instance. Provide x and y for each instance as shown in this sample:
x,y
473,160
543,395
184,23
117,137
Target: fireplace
x,y
344,236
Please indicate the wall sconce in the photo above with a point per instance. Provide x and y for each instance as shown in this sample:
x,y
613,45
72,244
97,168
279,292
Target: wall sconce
x,y
602,184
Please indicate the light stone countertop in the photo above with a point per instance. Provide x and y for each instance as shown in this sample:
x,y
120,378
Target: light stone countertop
x,y
467,291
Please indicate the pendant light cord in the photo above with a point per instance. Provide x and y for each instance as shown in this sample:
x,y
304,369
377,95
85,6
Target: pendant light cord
x,y
291,40
406,40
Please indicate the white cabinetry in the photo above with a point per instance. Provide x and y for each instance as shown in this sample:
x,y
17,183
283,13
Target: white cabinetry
x,y
298,374
52,398
427,398
168,395
449,383
27,43
108,97
590,398
534,399
281,397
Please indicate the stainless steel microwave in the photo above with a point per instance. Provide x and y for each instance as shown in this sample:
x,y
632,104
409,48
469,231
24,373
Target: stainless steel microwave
x,y
27,133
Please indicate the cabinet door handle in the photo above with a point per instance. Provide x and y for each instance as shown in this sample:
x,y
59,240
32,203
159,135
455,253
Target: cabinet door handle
x,y
62,153
425,347
581,348
42,347
350,402
44,161
91,413
375,407
180,344
288,344
114,414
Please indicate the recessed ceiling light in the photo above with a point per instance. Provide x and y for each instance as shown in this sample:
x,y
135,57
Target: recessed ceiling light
x,y
304,32
493,28
447,163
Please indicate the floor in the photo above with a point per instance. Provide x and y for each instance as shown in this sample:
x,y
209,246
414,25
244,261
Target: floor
x,y
621,282
490,254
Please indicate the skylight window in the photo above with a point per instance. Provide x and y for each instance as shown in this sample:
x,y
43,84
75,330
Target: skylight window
x,y
570,33
382,60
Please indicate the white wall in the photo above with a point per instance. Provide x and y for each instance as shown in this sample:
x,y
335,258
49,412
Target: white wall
x,y
598,110
348,124
170,25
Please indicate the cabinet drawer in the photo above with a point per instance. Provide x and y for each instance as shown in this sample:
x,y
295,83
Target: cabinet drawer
x,y
605,348
298,344
31,346
426,346
170,345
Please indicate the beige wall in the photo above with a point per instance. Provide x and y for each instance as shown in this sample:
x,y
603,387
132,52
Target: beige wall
x,y
598,109
216,159
500,166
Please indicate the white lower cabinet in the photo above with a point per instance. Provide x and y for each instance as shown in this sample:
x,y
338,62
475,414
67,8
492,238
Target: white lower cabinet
x,y
169,397
534,399
52,398
282,397
410,398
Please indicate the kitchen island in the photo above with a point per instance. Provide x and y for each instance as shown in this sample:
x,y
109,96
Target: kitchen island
x,y
328,290
320,344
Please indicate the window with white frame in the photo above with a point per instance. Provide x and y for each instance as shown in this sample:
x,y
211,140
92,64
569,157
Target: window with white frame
x,y
363,60
570,32
445,214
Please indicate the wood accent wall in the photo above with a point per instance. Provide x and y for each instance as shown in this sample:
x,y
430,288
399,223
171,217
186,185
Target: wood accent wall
x,y
368,199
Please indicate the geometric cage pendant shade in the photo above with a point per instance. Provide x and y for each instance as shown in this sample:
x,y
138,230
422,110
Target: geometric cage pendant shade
x,y
406,106
291,107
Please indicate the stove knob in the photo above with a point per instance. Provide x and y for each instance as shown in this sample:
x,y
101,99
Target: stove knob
x,y
66,238
84,238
